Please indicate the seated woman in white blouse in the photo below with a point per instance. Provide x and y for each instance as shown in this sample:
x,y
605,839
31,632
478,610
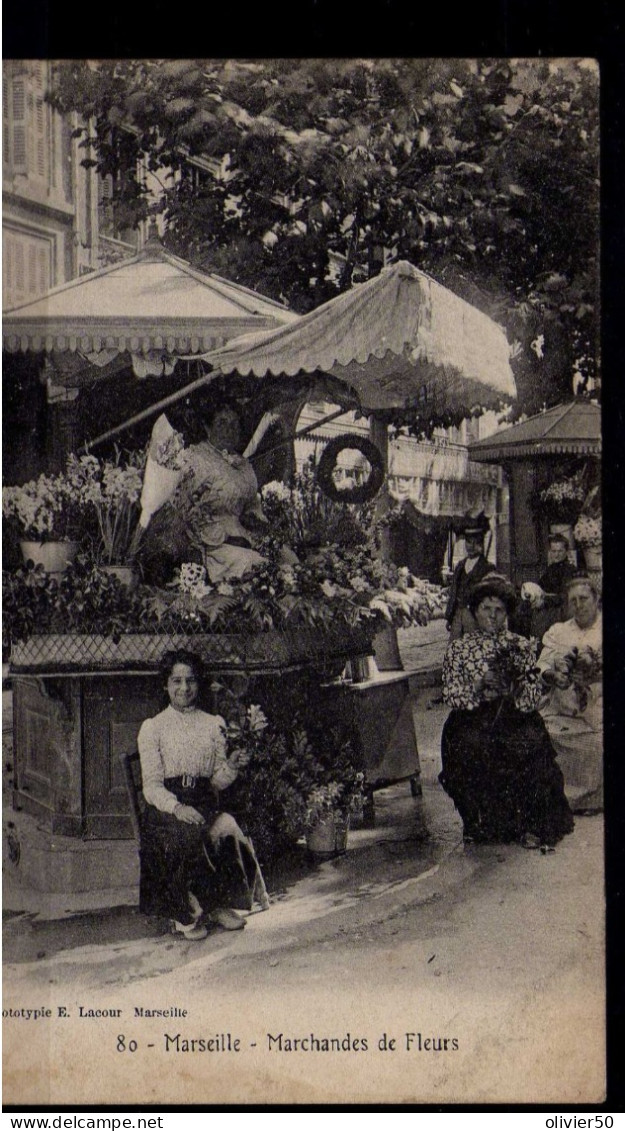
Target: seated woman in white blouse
x,y
195,860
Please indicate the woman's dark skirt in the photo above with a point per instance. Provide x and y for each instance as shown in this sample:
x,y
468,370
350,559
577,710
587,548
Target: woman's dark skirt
x,y
177,858
500,770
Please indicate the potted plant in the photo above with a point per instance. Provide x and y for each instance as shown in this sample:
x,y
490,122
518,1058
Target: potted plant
x,y
587,534
111,490
561,502
49,515
327,818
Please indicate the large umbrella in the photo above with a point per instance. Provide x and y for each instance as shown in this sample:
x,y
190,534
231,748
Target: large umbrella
x,y
399,340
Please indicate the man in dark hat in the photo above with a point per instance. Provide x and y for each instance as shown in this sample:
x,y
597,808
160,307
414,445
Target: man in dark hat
x,y
468,573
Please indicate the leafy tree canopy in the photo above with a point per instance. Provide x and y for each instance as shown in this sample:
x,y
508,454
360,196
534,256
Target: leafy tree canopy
x,y
298,177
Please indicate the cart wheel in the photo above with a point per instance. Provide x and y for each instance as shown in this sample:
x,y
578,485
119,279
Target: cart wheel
x,y
416,788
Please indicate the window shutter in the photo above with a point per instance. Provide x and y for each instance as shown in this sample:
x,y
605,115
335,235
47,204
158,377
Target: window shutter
x,y
44,281
26,268
7,271
19,276
6,119
19,155
40,133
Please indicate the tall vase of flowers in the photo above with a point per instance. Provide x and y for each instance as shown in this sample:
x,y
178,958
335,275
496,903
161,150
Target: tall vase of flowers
x,y
587,534
111,490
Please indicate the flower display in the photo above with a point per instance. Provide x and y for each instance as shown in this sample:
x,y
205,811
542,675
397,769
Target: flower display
x,y
587,531
562,500
111,490
48,509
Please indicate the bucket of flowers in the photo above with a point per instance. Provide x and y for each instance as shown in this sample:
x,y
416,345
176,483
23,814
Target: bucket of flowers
x,y
328,812
49,515
562,501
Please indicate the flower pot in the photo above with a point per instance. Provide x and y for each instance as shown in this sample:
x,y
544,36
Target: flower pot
x,y
593,557
53,556
329,836
124,573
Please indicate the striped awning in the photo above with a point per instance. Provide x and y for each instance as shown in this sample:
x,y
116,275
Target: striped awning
x,y
152,303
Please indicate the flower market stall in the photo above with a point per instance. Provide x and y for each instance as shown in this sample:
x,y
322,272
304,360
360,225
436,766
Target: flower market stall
x,y
81,357
278,638
552,461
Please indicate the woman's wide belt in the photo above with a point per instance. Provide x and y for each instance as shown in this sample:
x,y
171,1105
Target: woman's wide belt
x,y
187,781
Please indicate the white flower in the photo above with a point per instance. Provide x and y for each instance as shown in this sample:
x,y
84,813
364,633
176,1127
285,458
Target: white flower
x,y
381,606
358,584
328,588
257,719
276,490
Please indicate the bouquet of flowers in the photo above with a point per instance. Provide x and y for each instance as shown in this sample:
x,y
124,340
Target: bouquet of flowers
x,y
587,531
163,469
581,667
244,735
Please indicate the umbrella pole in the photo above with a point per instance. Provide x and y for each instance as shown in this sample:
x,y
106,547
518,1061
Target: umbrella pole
x,y
147,412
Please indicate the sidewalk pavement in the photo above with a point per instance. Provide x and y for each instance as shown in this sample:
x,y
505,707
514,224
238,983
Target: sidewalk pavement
x,y
383,866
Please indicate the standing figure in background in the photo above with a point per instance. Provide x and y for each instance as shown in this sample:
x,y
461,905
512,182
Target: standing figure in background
x,y
469,572
551,606
571,665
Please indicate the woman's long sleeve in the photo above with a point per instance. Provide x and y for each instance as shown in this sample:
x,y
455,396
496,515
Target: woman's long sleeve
x,y
172,745
152,769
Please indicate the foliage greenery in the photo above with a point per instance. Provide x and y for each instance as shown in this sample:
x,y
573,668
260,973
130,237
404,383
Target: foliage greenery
x,y
295,774
333,577
483,173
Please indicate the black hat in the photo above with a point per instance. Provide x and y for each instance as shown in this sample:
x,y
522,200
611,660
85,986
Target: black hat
x,y
474,524
493,585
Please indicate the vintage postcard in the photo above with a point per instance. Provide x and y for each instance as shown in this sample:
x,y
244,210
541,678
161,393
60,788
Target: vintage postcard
x,y
302,590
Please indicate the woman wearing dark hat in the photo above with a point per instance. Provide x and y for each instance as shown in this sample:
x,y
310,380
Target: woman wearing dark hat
x,y
469,572
499,766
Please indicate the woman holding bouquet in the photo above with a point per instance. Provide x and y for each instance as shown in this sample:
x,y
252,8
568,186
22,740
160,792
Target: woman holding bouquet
x,y
571,666
499,766
215,511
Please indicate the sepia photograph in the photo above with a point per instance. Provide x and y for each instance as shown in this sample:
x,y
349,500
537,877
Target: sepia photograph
x,y
303,758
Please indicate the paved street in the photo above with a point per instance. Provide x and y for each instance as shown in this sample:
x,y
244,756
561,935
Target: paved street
x,y
497,949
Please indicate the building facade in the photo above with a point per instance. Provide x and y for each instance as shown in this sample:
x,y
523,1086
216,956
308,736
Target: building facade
x,y
58,218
